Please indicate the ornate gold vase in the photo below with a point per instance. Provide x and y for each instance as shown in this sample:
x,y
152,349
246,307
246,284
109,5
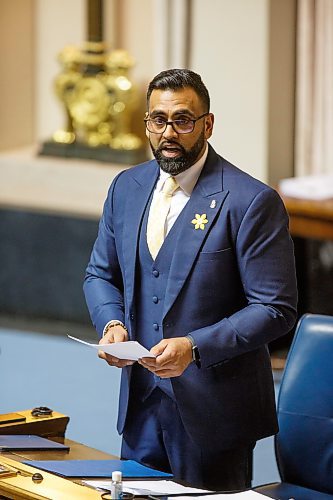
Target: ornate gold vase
x,y
99,101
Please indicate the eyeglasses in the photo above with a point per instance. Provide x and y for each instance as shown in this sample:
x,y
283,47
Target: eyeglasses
x,y
181,126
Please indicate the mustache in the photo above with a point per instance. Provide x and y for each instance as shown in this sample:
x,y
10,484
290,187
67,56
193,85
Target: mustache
x,y
170,143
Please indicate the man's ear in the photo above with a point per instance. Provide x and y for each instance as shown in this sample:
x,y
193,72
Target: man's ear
x,y
209,125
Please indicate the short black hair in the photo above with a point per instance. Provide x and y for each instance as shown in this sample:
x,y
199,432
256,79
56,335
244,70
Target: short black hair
x,y
175,79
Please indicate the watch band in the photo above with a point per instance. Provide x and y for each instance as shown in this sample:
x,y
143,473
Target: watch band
x,y
195,351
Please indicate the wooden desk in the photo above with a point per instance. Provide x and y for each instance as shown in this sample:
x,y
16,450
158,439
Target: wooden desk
x,y
20,484
309,219
77,451
23,485
47,426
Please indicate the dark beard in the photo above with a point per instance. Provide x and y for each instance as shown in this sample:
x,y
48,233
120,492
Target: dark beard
x,y
175,166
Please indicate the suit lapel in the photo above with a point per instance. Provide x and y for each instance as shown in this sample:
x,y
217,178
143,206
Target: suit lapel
x,y
206,200
138,196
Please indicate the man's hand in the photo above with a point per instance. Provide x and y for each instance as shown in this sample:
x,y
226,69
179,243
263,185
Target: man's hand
x,y
115,334
172,357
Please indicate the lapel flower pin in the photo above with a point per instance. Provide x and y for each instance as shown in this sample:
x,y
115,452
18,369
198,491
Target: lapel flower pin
x,y
199,221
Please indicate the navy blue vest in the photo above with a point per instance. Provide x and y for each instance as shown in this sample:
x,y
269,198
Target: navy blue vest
x,y
151,282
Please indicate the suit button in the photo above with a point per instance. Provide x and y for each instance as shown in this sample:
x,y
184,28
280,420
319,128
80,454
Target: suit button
x,y
155,326
155,299
132,316
156,273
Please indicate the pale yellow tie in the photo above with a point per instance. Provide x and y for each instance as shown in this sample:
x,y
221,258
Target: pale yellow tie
x,y
156,227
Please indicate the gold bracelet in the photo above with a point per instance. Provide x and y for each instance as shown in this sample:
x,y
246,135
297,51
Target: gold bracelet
x,y
110,324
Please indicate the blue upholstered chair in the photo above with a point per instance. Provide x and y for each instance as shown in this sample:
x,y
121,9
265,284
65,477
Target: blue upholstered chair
x,y
304,445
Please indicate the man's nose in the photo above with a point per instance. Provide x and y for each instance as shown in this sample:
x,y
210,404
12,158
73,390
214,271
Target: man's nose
x,y
169,131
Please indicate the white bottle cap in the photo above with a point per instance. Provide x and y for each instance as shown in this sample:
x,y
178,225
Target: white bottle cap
x,y
117,476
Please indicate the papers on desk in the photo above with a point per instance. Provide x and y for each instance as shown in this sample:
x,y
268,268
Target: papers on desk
x,y
131,350
165,488
311,187
144,488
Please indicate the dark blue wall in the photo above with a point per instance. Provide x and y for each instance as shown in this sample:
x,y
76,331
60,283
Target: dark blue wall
x,y
43,260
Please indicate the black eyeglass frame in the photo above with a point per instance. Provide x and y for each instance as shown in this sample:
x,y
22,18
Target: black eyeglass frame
x,y
172,122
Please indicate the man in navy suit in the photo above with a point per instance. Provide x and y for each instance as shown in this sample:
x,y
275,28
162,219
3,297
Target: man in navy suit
x,y
206,302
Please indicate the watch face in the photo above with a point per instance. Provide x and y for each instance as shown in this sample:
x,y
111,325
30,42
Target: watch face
x,y
196,356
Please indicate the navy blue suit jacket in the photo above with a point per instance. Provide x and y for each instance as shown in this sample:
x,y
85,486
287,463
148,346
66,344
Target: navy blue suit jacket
x,y
231,286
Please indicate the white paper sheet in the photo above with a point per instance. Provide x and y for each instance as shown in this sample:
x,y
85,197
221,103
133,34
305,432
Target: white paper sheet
x,y
167,487
153,487
131,350
311,187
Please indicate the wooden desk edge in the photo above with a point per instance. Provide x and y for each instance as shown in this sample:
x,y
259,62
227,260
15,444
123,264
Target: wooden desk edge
x,y
310,208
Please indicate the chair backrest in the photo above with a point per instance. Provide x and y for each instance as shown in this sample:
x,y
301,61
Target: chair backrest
x,y
304,445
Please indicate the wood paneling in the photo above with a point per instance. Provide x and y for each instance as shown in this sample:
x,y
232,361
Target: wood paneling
x,y
16,72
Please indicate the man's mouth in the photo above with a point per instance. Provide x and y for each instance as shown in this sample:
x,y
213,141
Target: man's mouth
x,y
171,150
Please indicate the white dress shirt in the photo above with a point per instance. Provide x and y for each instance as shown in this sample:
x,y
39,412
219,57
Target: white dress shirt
x,y
186,180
